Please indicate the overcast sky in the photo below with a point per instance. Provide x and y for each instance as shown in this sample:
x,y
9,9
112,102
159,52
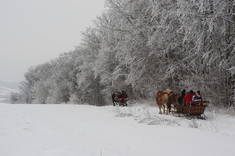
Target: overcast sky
x,y
35,31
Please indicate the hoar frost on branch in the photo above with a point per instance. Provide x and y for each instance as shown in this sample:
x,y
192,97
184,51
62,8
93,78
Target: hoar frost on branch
x,y
143,46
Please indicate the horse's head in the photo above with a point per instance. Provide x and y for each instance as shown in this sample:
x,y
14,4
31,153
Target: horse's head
x,y
175,98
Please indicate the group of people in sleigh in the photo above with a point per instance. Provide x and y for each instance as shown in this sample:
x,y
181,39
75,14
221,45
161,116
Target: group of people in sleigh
x,y
187,98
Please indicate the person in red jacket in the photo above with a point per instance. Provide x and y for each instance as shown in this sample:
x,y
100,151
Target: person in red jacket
x,y
188,97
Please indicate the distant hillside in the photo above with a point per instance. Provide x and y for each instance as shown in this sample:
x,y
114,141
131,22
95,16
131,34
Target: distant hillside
x,y
6,88
11,85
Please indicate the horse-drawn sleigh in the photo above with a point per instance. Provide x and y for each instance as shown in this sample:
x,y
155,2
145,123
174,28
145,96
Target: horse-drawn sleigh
x,y
169,100
119,98
194,110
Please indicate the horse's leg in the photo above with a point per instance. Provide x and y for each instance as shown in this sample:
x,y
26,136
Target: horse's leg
x,y
164,111
167,109
160,109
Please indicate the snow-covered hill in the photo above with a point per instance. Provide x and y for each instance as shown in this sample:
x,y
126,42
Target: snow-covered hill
x,y
81,130
6,88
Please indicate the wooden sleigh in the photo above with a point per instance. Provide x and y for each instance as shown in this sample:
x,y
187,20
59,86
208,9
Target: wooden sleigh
x,y
120,101
194,110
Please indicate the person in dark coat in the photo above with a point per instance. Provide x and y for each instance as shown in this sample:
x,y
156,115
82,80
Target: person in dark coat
x,y
124,94
181,98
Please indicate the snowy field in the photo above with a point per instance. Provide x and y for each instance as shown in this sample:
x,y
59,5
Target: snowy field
x,y
82,130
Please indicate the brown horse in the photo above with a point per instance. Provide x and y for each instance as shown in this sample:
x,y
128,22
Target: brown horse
x,y
173,99
164,100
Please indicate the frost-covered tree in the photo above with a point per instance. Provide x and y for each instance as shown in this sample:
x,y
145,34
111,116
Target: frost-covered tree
x,y
143,46
89,85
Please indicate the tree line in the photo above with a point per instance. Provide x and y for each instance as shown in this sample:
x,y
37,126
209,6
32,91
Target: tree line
x,y
143,46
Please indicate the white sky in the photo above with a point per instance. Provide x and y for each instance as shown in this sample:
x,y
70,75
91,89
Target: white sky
x,y
35,31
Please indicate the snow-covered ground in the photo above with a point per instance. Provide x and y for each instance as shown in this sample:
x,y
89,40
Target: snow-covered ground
x,y
83,130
